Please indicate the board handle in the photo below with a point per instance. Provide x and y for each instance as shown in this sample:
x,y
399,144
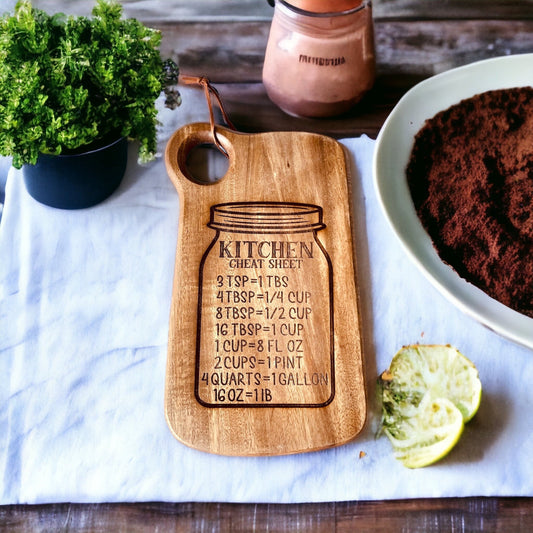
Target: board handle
x,y
184,140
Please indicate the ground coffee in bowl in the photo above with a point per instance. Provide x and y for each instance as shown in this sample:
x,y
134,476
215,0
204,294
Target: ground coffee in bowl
x,y
471,179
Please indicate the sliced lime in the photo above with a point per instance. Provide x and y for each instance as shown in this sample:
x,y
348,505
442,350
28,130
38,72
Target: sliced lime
x,y
428,394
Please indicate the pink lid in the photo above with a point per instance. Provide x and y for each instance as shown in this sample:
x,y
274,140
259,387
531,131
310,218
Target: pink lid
x,y
325,6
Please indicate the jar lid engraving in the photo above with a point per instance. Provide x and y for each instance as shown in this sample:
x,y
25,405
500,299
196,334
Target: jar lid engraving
x,y
266,217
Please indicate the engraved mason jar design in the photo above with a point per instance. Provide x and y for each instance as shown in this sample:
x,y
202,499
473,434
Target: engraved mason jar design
x,y
265,309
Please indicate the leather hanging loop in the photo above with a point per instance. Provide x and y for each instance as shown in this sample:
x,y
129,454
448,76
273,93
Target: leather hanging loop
x,y
210,91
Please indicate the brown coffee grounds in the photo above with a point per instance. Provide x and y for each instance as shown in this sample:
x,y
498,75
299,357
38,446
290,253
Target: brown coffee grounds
x,y
471,179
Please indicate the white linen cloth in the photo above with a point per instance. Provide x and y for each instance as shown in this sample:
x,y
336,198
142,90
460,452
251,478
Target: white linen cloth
x,y
84,307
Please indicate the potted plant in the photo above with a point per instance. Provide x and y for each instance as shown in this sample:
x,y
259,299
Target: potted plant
x,y
79,85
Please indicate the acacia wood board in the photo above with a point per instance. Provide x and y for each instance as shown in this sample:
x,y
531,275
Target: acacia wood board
x,y
265,349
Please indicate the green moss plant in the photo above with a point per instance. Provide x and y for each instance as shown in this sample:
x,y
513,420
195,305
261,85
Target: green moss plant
x,y
69,82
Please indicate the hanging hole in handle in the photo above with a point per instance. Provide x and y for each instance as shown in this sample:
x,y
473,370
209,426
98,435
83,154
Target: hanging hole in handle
x,y
206,164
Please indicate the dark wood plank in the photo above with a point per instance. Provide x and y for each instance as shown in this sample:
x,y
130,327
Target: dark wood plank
x,y
234,51
175,10
215,10
429,47
416,516
260,114
452,9
226,51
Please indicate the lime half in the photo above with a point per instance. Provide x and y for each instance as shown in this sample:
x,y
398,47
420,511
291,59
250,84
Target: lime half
x,y
428,393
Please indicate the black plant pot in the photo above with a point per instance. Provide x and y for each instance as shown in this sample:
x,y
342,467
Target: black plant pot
x,y
76,181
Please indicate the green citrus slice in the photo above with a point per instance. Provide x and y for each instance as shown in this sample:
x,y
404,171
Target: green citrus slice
x,y
428,394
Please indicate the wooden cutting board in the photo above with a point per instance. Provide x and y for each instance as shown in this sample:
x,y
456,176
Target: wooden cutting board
x,y
264,352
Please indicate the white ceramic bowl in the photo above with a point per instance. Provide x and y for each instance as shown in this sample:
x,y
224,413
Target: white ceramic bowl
x,y
393,149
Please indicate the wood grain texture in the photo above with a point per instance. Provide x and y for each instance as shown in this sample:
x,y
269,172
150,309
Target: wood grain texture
x,y
215,10
403,47
466,515
264,346
261,115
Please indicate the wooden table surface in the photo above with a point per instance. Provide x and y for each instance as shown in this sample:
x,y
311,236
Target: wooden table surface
x,y
225,41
